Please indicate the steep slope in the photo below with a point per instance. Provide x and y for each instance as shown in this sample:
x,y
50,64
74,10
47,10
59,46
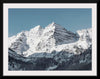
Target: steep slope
x,y
78,47
19,43
54,35
52,38
85,35
33,37
51,48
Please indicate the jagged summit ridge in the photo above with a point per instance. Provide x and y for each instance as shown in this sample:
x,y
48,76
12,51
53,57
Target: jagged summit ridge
x,y
36,28
53,37
54,26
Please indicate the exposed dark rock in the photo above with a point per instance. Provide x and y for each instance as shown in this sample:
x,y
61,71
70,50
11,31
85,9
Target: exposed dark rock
x,y
62,60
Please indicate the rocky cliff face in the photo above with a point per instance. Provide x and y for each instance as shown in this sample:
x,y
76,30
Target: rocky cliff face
x,y
51,61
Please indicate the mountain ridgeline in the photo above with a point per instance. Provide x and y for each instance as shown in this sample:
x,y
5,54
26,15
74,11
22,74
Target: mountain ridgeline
x,y
50,48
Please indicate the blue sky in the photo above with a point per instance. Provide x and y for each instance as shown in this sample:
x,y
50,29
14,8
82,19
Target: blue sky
x,y
25,19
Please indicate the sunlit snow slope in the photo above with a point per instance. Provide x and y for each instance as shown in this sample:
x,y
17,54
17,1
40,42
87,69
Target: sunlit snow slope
x,y
54,37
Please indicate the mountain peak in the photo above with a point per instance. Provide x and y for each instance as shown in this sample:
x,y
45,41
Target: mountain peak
x,y
53,23
44,40
38,27
21,34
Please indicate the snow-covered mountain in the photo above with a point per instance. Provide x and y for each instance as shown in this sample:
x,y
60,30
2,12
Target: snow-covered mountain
x,y
51,61
54,37
50,48
19,43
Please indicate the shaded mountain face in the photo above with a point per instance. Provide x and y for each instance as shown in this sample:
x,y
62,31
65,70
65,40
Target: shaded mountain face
x,y
54,35
60,34
51,61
